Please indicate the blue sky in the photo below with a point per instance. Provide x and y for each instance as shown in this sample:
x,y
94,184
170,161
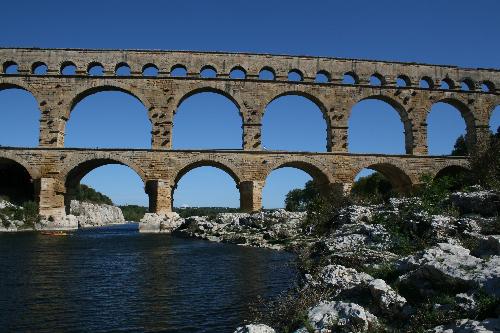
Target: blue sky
x,y
463,33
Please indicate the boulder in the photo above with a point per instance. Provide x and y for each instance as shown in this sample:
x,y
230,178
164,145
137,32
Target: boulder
x,y
160,223
93,215
469,326
255,328
388,300
340,317
482,202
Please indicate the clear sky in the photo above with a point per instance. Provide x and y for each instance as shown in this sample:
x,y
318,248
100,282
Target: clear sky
x,y
458,32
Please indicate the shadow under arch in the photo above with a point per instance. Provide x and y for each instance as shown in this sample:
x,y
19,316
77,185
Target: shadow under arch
x,y
402,112
451,170
16,182
75,173
400,181
467,115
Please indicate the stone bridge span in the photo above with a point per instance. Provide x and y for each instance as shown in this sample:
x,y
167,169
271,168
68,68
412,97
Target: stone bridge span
x,y
60,78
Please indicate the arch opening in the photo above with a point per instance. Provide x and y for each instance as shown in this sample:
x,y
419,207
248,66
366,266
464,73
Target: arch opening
x,y
238,73
467,85
150,70
39,68
68,68
122,69
295,75
267,73
294,122
116,119
10,67
457,177
447,84
213,116
19,118
380,182
426,83
178,71
487,86
377,80
120,184
322,77
403,81
208,72
206,184
16,184
495,120
447,132
95,69
379,125
350,78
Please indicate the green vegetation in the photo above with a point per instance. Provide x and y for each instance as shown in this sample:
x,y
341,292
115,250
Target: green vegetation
x,y
298,199
88,194
133,212
204,211
460,147
372,188
27,212
485,165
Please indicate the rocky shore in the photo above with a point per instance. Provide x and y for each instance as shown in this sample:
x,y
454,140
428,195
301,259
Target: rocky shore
x,y
381,268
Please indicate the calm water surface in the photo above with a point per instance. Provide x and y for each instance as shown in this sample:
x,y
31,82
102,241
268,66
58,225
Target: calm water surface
x,y
115,279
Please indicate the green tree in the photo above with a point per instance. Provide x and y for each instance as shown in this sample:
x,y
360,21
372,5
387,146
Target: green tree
x,y
485,165
299,199
460,147
88,194
133,212
374,187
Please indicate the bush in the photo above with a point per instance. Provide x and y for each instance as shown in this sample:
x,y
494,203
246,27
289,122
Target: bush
x,y
372,188
133,212
88,194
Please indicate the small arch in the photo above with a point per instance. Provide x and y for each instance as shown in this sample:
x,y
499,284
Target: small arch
x,y
316,173
467,85
150,70
16,183
122,69
267,73
95,69
400,181
39,68
487,86
68,68
458,176
377,80
295,75
238,72
371,185
10,67
426,83
322,77
403,81
208,72
178,71
447,84
350,78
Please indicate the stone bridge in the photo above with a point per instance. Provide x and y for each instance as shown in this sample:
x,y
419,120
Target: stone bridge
x,y
60,78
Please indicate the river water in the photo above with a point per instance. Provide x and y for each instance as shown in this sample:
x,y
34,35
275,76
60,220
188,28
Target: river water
x,y
115,279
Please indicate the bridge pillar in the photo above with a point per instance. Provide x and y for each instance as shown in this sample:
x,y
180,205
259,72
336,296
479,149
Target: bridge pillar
x,y
338,139
481,141
161,135
252,136
50,194
251,195
52,130
160,196
419,145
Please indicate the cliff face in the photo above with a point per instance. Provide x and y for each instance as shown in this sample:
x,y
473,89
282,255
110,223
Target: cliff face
x,y
95,215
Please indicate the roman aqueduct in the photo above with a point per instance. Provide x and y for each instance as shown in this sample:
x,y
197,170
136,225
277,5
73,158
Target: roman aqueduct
x,y
52,171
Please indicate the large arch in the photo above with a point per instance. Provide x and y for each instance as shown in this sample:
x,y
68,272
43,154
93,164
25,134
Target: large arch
x,y
16,182
214,115
296,102
445,125
399,179
404,119
19,115
466,114
116,117
73,174
206,172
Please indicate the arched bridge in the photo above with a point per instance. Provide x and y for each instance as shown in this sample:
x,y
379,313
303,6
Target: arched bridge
x,y
59,79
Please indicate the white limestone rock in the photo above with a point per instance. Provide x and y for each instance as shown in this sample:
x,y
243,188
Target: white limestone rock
x,y
160,223
482,202
355,214
255,328
95,215
469,326
340,317
388,300
67,222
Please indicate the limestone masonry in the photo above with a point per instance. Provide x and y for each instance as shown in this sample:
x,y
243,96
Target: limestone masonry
x,y
50,172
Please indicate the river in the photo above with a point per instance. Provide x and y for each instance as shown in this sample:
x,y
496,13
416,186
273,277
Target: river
x,y
116,279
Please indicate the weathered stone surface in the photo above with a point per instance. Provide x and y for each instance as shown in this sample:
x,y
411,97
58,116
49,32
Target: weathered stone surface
x,y
469,326
483,202
94,215
255,328
160,223
340,317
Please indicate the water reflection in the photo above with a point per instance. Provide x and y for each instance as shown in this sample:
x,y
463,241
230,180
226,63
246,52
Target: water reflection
x,y
115,278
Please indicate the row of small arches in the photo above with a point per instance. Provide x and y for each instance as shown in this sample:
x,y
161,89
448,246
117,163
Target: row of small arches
x,y
266,73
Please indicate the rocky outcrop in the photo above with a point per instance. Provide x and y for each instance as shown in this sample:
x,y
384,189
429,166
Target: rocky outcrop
x,y
482,202
469,326
160,223
339,317
95,215
259,328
